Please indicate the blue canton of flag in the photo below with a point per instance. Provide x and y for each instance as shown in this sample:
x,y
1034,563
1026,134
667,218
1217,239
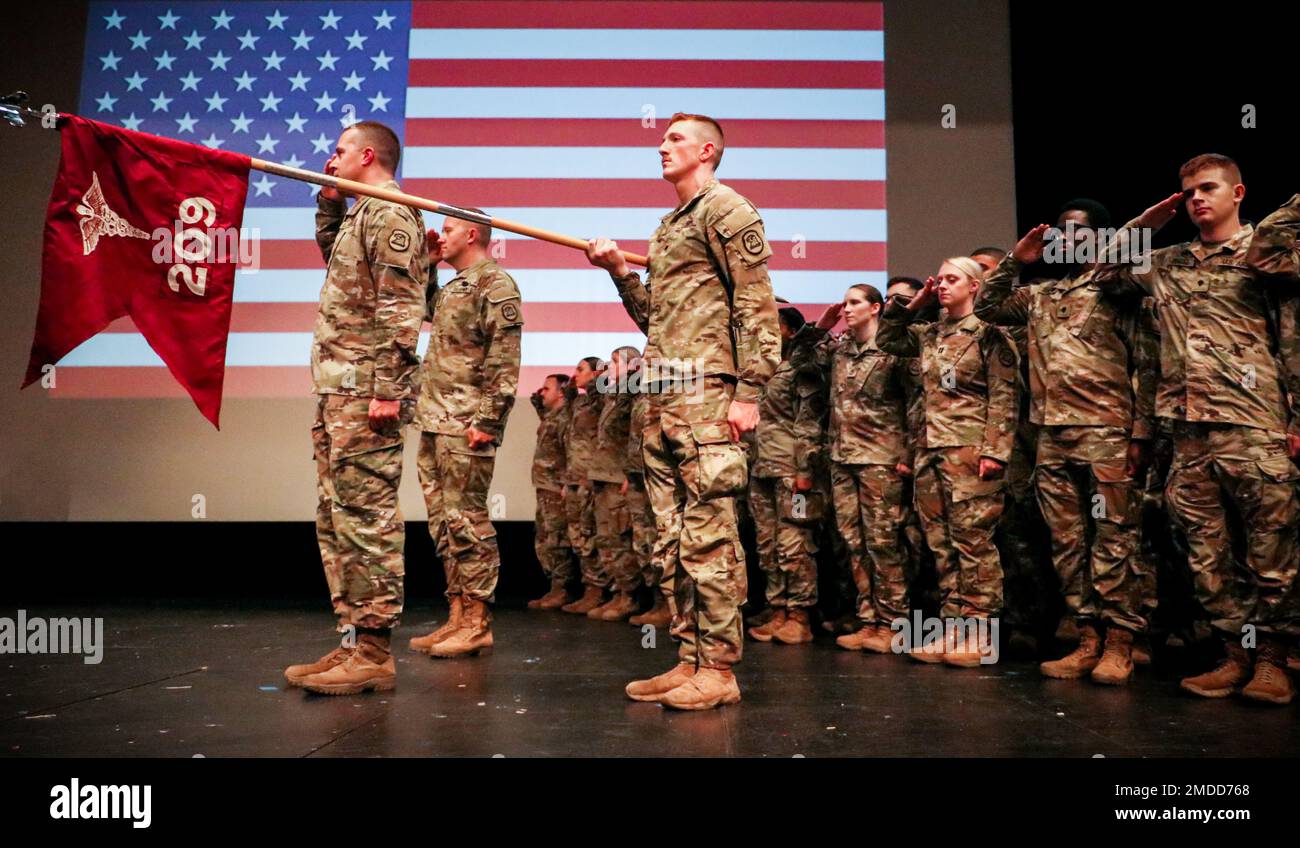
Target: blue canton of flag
x,y
278,81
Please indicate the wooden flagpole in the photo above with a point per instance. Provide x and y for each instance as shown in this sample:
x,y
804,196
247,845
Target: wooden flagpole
x,y
352,187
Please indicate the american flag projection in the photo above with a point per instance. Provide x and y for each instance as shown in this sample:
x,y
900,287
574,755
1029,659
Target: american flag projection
x,y
548,113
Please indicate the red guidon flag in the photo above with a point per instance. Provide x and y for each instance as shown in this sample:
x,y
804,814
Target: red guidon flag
x,y
148,227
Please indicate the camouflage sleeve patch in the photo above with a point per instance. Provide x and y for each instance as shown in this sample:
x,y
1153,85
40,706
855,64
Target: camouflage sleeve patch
x,y
394,239
742,229
504,303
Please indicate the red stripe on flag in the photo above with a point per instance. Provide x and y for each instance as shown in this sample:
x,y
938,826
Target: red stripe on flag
x,y
242,381
621,132
539,317
765,194
674,73
625,14
786,256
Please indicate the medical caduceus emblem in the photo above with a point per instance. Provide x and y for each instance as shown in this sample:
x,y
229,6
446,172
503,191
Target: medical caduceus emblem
x,y
98,220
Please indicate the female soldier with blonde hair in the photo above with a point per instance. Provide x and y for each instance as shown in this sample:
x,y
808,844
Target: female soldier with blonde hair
x,y
970,374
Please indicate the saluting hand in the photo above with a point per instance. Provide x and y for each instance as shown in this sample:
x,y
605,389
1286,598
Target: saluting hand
x,y
1030,248
327,192
926,296
1162,213
830,317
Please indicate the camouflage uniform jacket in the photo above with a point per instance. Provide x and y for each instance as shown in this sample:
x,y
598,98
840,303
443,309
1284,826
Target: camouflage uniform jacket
x,y
471,369
548,456
792,412
706,306
870,395
580,433
971,377
367,334
1274,252
610,451
1086,365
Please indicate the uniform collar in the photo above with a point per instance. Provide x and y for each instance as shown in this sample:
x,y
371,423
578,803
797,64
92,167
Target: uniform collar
x,y
472,271
948,326
1238,242
704,189
390,185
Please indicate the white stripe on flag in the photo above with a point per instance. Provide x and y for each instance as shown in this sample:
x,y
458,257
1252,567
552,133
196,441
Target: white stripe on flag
x,y
768,104
635,163
551,285
711,44
130,350
853,225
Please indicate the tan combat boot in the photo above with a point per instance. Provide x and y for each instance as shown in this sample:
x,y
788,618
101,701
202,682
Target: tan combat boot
x,y
592,597
795,630
1226,678
369,666
1081,660
555,598
657,616
931,652
422,644
622,607
653,688
1117,659
1270,683
474,635
857,640
1067,630
295,673
708,688
763,632
964,655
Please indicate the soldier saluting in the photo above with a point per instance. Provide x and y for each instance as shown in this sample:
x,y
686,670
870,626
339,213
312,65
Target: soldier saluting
x,y
712,342
363,367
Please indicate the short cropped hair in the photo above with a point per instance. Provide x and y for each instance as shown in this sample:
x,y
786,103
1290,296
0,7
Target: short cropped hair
x,y
989,251
484,230
1098,215
792,318
561,380
388,150
721,142
1211,160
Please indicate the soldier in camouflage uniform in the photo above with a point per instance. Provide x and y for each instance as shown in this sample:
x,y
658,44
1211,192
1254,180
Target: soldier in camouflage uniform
x,y
551,530
783,494
1273,252
643,517
614,545
712,342
467,388
363,364
871,460
971,397
1094,434
1222,385
583,406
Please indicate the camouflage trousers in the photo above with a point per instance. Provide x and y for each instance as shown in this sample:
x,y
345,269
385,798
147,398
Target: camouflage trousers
x,y
870,514
1082,475
960,513
455,482
1218,468
643,531
1023,540
580,516
786,546
614,536
359,526
693,472
551,538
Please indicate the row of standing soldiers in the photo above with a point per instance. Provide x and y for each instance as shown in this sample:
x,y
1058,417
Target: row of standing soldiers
x,y
960,429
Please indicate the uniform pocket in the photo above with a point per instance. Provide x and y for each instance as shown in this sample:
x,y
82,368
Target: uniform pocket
x,y
800,507
720,466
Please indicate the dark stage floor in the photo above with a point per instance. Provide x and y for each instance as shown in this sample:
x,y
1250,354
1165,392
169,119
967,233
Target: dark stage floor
x,y
182,682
